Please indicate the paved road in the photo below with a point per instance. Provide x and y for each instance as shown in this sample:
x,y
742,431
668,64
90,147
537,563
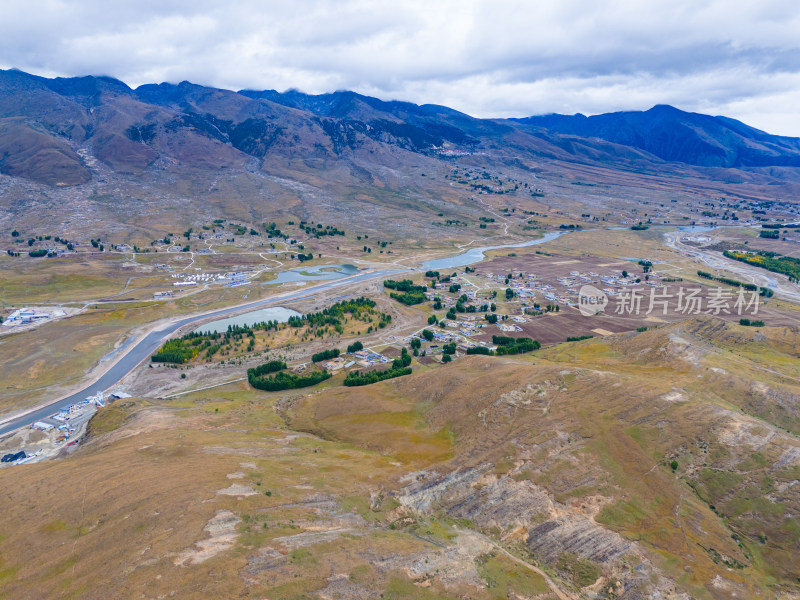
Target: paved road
x,y
778,284
142,350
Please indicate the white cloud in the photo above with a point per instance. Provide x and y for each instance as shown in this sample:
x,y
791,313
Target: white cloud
x,y
487,58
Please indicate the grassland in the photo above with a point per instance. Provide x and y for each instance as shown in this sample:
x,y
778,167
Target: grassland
x,y
305,508
623,431
609,463
396,487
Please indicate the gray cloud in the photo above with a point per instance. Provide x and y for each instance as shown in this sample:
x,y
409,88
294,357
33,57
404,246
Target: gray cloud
x,y
487,58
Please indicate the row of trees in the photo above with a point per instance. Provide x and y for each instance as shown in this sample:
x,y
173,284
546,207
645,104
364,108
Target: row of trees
x,y
750,287
356,378
510,345
285,381
325,355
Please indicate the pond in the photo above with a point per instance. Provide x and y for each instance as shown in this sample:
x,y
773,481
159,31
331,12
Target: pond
x,y
274,313
318,273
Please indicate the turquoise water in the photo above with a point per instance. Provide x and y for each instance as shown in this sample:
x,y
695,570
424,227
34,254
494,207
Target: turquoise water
x,y
314,273
474,255
275,313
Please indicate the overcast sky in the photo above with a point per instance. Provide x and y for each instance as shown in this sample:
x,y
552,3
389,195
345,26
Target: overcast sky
x,y
496,58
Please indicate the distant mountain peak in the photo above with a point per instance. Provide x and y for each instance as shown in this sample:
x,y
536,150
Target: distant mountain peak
x,y
678,136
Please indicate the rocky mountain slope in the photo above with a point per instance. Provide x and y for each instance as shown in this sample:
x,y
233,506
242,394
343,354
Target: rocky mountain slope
x,y
196,126
678,136
180,154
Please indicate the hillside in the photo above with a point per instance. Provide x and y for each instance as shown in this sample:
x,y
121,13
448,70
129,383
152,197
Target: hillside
x,y
184,153
677,136
660,464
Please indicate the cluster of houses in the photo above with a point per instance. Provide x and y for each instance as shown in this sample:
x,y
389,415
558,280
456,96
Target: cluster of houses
x,y
232,279
71,417
25,316
64,423
527,286
362,358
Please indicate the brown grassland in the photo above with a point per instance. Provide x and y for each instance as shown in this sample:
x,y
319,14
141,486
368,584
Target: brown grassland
x,y
393,488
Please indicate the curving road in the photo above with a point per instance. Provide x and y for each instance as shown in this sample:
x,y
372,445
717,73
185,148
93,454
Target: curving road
x,y
147,345
777,283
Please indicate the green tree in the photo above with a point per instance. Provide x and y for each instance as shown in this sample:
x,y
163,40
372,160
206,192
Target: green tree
x,y
355,347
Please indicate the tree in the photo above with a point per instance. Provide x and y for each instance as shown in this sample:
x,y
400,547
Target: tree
x,y
355,347
416,343
432,320
624,274
405,358
402,362
15,233
509,293
427,334
446,358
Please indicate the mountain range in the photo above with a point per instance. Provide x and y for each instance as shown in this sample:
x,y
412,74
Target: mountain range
x,y
50,129
678,136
